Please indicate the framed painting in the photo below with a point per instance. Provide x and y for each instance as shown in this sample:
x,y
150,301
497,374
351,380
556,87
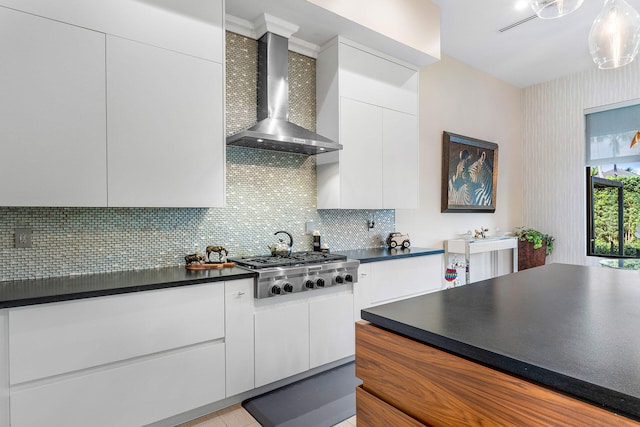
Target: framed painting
x,y
469,174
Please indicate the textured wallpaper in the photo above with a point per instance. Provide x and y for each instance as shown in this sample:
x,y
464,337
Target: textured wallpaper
x,y
554,150
266,192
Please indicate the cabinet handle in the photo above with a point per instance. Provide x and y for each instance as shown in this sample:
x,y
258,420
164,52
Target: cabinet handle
x,y
240,294
363,274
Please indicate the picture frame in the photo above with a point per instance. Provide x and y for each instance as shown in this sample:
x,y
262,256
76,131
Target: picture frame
x,y
469,174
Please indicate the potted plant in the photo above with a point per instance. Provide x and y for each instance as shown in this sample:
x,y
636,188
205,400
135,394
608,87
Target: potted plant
x,y
533,247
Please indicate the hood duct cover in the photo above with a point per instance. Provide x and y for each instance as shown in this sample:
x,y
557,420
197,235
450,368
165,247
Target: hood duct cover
x,y
274,131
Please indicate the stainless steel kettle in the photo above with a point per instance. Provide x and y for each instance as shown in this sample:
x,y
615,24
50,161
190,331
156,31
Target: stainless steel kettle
x,y
281,248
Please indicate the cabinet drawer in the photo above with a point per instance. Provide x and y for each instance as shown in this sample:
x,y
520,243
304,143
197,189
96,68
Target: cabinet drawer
x,y
52,339
131,395
371,411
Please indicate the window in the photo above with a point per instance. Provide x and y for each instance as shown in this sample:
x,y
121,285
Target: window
x,y
613,181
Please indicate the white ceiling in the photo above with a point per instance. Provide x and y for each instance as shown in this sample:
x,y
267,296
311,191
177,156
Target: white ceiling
x,y
536,51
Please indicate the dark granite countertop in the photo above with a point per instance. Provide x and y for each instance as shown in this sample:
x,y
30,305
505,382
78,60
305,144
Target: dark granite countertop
x,y
387,254
570,328
39,291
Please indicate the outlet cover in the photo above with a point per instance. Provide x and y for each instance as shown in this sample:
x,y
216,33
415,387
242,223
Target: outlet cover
x,y
23,237
309,227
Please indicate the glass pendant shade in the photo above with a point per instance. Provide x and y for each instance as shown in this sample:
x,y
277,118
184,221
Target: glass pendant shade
x,y
615,35
549,9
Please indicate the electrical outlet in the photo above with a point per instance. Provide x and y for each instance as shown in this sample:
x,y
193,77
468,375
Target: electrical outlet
x,y
309,227
23,237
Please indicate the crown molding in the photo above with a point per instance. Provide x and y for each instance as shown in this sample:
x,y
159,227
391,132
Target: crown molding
x,y
248,29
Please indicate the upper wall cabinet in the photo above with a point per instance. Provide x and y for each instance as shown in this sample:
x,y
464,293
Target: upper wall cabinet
x,y
369,103
117,103
52,137
162,127
193,27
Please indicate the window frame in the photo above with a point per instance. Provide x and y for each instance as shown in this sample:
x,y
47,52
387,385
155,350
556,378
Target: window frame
x,y
592,181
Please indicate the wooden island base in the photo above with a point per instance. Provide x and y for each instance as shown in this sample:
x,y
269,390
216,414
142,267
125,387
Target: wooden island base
x,y
407,383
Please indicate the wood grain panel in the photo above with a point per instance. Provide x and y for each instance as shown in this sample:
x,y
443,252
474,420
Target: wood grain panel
x,y
441,389
371,411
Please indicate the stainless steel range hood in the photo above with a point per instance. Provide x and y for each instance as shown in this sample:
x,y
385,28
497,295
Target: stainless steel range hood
x,y
274,131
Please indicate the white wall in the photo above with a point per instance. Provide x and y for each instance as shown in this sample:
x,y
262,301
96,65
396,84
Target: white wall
x,y
420,19
553,149
457,98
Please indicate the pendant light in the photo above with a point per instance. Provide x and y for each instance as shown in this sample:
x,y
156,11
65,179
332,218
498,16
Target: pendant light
x,y
615,35
549,9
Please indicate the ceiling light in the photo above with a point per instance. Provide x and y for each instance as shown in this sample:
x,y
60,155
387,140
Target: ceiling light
x,y
521,4
549,9
615,35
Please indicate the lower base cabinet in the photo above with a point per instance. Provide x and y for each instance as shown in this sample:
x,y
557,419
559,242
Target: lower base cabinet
x,y
4,368
331,329
281,342
382,282
118,360
239,337
296,333
131,395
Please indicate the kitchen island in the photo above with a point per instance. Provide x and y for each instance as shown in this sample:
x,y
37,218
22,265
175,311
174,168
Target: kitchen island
x,y
554,345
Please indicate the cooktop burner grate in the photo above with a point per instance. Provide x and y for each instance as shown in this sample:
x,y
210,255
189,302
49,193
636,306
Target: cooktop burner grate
x,y
296,258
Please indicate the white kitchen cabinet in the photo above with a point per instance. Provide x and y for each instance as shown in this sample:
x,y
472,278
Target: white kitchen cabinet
x,y
399,159
391,280
127,359
362,291
132,394
369,103
165,140
376,79
56,338
281,341
52,150
405,277
137,123
361,161
331,328
239,336
4,369
194,27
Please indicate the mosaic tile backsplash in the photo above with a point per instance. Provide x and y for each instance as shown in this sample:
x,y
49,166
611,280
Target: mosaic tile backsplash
x,y
266,192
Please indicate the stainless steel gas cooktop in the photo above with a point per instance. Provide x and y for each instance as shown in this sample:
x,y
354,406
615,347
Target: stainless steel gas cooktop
x,y
298,272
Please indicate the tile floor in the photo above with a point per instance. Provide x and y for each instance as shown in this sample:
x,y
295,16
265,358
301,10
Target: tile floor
x,y
236,416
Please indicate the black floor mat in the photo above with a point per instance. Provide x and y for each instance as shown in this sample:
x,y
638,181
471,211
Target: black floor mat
x,y
322,400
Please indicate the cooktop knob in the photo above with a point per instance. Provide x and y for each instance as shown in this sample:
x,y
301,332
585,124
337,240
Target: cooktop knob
x,y
339,279
308,284
287,287
348,278
320,283
275,290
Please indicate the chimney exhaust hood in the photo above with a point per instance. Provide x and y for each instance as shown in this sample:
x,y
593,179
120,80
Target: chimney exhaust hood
x,y
274,131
